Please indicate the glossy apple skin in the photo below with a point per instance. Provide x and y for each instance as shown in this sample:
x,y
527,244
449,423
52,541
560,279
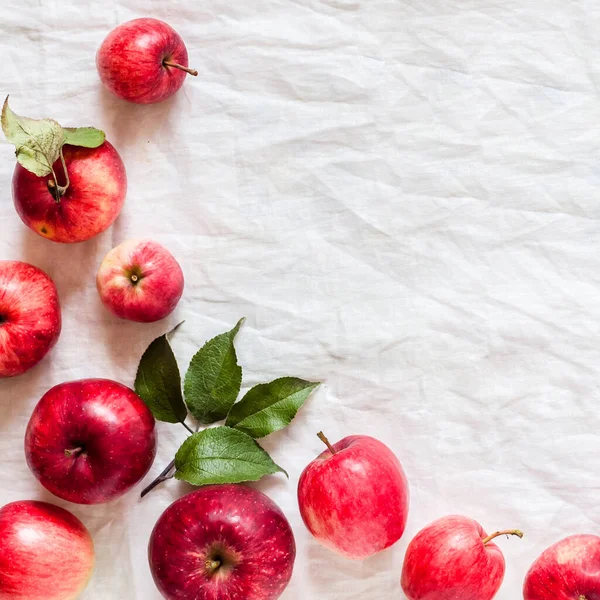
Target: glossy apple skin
x,y
130,61
46,553
355,501
448,561
30,318
231,522
568,570
111,425
140,280
92,202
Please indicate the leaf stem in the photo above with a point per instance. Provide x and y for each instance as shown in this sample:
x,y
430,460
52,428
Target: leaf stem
x,y
168,63
164,476
57,190
489,538
188,427
322,437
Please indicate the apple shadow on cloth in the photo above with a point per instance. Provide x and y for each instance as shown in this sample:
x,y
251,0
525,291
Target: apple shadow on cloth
x,y
71,266
23,389
132,124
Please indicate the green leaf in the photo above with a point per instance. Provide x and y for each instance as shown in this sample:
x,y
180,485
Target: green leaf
x,y
158,382
222,455
214,378
38,142
88,137
269,407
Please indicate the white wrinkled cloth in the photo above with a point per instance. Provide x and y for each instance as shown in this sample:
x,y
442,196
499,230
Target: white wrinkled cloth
x,y
403,199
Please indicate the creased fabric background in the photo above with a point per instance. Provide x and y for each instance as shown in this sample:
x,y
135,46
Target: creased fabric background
x,y
400,196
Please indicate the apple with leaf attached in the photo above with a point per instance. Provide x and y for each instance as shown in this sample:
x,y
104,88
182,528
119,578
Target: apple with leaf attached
x,y
69,184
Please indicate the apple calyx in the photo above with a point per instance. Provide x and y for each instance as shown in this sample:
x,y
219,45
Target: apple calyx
x,y
322,437
169,63
69,452
506,532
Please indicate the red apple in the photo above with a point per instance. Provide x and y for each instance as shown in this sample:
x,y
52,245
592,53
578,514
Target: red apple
x,y
354,497
222,542
453,558
45,553
569,570
30,318
143,61
140,281
90,441
90,204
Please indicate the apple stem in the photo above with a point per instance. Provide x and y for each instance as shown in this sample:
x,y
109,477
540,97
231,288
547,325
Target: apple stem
x,y
493,536
168,63
164,476
322,437
57,190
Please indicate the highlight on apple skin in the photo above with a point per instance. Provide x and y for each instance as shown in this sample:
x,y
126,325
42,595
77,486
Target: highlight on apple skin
x,y
140,280
91,203
46,553
568,570
143,61
30,317
452,558
222,542
354,497
90,441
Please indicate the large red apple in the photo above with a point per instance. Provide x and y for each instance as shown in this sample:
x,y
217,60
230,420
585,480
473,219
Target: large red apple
x,y
569,570
91,203
45,553
30,319
143,61
452,559
90,441
354,497
140,280
222,542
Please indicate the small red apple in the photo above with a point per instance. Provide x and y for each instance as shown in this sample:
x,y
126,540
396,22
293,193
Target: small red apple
x,y
143,61
354,497
30,319
568,570
140,281
90,441
91,203
222,542
46,553
451,559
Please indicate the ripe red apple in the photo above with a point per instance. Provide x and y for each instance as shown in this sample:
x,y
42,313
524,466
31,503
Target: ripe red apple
x,y
453,558
569,570
140,281
45,553
90,204
354,497
90,441
30,319
222,542
143,61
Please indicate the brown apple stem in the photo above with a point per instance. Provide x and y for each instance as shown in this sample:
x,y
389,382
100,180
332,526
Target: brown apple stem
x,y
493,536
57,190
322,437
164,476
168,63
